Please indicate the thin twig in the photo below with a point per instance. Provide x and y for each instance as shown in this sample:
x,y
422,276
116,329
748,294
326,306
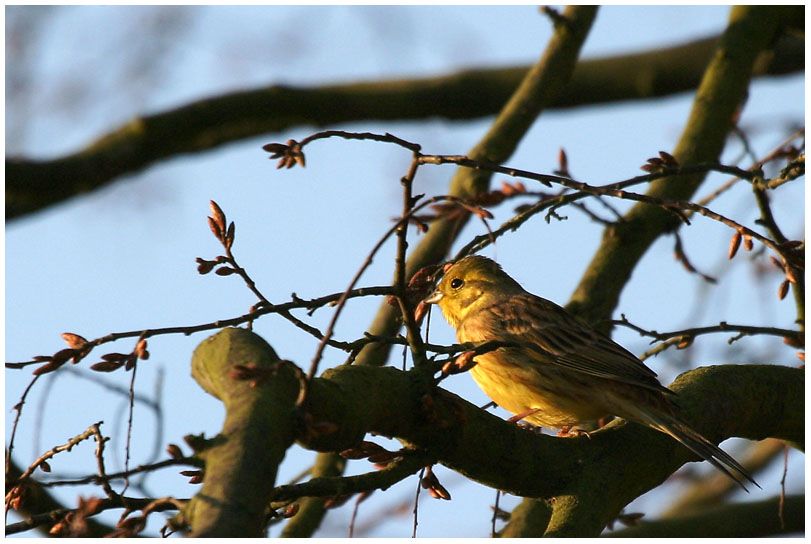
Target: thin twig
x,y
615,190
326,486
678,250
103,479
129,424
387,138
686,336
90,431
416,503
221,323
97,479
723,326
19,409
406,308
495,515
781,507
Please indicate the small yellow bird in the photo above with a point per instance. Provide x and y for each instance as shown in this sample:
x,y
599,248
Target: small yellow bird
x,y
563,373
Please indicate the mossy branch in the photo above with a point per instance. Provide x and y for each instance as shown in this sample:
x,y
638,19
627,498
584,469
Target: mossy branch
x,y
741,520
241,462
599,474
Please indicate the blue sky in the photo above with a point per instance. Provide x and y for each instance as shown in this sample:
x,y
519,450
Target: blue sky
x,y
122,258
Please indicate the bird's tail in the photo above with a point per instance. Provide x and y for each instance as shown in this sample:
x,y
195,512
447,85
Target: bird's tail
x,y
699,445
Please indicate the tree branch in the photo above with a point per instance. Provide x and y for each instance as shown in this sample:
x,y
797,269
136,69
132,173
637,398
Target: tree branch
x,y
740,520
260,423
32,185
720,95
628,459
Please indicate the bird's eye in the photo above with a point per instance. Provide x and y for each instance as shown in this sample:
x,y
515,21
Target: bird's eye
x,y
456,283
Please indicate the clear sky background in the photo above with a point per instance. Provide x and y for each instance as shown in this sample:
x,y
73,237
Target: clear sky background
x,y
122,258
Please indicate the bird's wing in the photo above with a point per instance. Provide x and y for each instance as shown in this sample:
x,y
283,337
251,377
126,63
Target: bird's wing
x,y
558,337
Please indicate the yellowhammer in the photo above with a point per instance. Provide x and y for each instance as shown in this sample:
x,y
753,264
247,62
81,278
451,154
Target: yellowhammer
x,y
562,373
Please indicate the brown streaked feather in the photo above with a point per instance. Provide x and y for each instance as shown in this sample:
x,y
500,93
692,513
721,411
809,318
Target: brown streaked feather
x,y
563,339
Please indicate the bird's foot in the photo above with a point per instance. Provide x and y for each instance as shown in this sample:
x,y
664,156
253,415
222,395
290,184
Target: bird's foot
x,y
569,432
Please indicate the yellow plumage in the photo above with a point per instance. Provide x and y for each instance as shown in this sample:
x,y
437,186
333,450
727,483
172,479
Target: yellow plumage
x,y
561,372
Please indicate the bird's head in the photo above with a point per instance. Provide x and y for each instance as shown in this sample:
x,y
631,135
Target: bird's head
x,y
469,284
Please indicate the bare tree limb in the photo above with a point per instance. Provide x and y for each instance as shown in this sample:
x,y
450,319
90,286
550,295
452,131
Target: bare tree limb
x,y
34,184
740,520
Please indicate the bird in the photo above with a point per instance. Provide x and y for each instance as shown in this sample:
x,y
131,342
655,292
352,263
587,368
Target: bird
x,y
555,370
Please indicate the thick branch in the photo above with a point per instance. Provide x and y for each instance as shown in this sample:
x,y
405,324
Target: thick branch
x,y
751,401
742,520
32,185
241,462
720,402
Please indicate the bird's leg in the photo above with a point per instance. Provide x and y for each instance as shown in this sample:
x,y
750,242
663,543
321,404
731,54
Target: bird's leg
x,y
568,432
522,415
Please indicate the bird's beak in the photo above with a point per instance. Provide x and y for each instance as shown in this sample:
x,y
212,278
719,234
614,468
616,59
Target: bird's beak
x,y
434,297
